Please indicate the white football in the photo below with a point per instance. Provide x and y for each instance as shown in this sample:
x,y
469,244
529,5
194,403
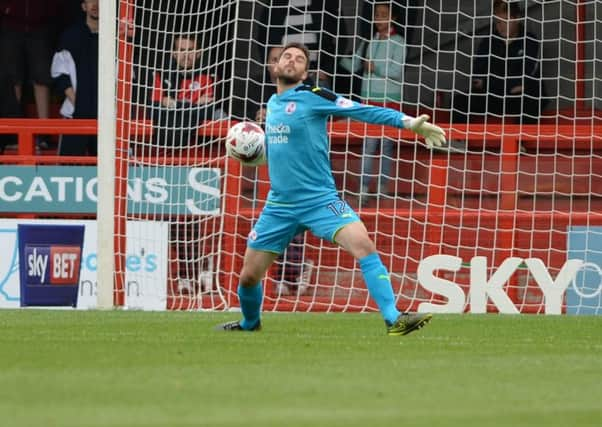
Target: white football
x,y
245,142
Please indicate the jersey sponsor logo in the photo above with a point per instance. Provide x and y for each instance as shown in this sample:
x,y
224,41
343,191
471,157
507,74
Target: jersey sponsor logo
x,y
279,128
278,134
195,85
290,108
344,102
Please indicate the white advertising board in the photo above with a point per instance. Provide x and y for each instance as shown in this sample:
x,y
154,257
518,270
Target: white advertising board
x,y
146,263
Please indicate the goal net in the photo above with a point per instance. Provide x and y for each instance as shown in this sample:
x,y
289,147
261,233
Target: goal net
x,y
506,218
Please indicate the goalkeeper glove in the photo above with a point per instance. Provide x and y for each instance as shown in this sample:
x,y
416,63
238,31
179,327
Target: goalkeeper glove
x,y
433,135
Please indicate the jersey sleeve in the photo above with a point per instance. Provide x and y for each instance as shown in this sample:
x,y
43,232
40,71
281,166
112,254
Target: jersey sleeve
x,y
329,103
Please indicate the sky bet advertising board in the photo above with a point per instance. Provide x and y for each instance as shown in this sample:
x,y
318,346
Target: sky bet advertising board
x,y
49,264
54,265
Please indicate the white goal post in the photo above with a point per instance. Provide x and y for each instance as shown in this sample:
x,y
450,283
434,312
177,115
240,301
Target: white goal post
x,y
106,153
495,222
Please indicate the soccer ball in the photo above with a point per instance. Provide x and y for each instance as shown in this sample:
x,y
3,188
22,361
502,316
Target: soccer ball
x,y
245,142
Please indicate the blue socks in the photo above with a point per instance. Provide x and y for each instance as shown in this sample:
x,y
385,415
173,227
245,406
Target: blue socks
x,y
375,275
378,283
250,304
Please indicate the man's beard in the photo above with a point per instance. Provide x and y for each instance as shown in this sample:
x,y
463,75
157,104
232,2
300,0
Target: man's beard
x,y
288,80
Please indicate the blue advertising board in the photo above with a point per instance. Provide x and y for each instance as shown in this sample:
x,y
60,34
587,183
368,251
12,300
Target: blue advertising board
x,y
584,295
161,190
49,263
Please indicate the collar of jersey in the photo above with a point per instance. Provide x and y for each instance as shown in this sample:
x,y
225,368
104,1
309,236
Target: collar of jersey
x,y
291,90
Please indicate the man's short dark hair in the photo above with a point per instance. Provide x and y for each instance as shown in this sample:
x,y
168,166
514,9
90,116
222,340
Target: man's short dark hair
x,y
299,46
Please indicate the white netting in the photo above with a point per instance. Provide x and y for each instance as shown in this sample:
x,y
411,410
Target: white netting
x,y
514,185
174,80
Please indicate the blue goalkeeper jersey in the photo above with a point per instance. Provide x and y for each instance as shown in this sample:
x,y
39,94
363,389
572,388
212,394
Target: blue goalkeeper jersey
x,y
297,140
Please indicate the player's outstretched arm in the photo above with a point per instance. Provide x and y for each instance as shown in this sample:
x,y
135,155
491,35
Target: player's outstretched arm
x,y
433,135
329,103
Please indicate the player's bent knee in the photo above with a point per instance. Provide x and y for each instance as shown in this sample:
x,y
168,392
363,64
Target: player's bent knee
x,y
364,248
249,278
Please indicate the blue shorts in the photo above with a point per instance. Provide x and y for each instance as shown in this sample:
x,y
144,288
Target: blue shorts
x,y
277,224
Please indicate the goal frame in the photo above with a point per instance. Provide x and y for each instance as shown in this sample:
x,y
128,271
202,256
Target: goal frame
x,y
116,53
115,60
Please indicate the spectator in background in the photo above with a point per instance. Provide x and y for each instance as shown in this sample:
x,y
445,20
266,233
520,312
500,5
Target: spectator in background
x,y
381,60
506,73
27,34
9,107
313,23
75,72
183,96
405,13
261,93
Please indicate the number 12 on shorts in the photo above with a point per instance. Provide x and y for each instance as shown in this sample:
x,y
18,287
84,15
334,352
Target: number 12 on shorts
x,y
338,208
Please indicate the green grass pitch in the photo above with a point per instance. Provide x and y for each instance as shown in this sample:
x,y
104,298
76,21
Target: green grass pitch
x,y
70,368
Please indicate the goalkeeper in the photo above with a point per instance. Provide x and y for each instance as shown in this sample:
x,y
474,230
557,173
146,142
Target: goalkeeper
x,y
303,195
